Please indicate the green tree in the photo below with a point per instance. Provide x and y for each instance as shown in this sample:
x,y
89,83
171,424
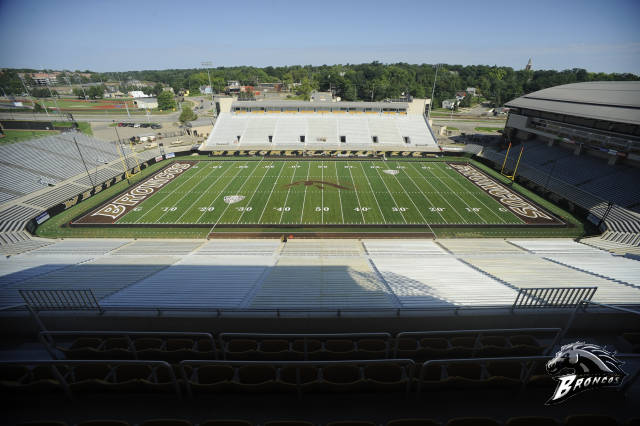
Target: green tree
x,y
166,101
187,114
37,107
96,92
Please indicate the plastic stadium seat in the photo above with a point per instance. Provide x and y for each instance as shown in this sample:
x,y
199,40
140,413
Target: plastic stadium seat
x,y
306,348
504,373
433,348
230,422
130,377
590,420
351,423
431,376
90,377
274,349
104,423
147,343
524,345
288,423
306,377
179,344
12,375
256,378
44,423
472,421
463,342
43,379
531,421
385,377
341,378
336,349
493,346
83,348
413,422
241,349
539,376
461,347
116,348
371,349
213,378
407,348
463,375
166,422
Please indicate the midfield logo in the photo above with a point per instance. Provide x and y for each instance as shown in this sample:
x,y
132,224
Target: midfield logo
x,y
230,199
581,366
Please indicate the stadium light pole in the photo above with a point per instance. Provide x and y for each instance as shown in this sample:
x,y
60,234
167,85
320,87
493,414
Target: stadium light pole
x,y
209,64
433,91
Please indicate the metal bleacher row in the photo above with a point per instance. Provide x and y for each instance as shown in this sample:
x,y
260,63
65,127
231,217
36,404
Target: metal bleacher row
x,y
319,130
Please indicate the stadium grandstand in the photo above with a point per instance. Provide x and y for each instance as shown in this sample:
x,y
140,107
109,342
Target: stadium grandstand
x,y
424,326
581,142
322,125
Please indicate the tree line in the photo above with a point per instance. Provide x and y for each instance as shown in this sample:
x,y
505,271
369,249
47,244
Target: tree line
x,y
366,82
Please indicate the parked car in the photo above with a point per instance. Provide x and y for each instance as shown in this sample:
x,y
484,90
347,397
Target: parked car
x,y
156,126
137,125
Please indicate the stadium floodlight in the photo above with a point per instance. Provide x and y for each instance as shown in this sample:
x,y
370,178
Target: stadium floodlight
x,y
209,64
433,91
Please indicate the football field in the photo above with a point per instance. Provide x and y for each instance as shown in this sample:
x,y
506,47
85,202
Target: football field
x,y
315,192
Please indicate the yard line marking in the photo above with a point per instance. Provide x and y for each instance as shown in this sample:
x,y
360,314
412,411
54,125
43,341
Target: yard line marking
x,y
353,182
424,196
453,209
459,197
288,191
414,204
168,195
374,194
240,189
271,193
305,192
392,197
254,193
219,193
203,192
339,191
322,193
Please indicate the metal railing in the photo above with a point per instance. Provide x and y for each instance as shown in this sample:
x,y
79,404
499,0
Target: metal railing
x,y
552,297
60,299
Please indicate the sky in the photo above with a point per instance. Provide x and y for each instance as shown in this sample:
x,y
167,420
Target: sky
x,y
116,35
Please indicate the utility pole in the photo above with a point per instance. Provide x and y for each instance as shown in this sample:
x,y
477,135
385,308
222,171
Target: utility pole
x,y
46,82
209,64
433,91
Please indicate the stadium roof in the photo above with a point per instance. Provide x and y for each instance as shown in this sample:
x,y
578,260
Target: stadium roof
x,y
301,104
617,101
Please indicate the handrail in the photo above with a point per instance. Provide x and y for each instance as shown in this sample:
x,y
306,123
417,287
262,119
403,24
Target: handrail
x,y
112,362
480,333
46,339
402,361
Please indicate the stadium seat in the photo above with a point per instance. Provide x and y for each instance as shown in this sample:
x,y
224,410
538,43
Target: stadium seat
x,y
431,376
226,422
306,348
104,423
44,423
43,379
166,422
341,378
634,340
274,349
413,422
590,420
524,345
539,376
463,375
433,348
531,421
472,421
82,348
338,349
493,346
406,348
212,378
253,378
241,349
351,423
288,423
90,378
504,373
372,349
385,377
116,348
305,377
12,375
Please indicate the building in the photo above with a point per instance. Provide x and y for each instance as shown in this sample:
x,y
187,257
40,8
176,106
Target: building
x,y
43,79
529,65
146,103
472,91
450,103
138,94
322,97
461,95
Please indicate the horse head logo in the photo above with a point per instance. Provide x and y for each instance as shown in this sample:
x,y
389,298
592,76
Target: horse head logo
x,y
584,358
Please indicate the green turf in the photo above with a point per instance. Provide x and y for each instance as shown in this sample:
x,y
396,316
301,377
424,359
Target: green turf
x,y
12,136
420,193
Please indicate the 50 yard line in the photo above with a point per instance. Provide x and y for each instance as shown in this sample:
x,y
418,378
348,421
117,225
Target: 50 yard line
x,y
305,192
288,190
